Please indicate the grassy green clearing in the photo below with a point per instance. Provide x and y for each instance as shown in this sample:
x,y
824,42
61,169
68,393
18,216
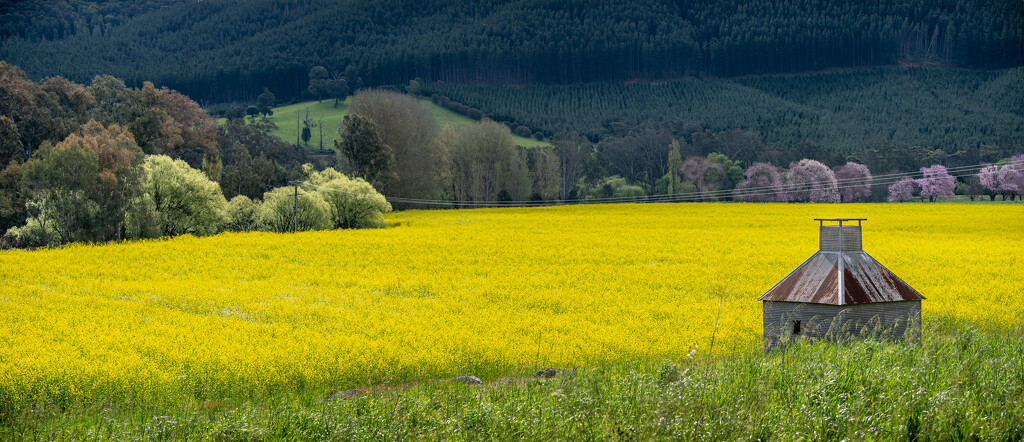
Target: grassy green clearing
x,y
287,118
962,383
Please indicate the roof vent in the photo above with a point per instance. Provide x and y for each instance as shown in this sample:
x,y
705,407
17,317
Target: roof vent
x,y
840,238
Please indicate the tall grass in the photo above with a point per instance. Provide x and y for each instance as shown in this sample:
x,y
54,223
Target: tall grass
x,y
963,381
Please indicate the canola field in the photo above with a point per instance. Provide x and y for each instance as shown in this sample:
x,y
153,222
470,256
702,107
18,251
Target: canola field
x,y
486,292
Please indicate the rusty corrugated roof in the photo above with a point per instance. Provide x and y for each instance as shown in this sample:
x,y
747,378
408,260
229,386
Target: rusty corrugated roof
x,y
863,281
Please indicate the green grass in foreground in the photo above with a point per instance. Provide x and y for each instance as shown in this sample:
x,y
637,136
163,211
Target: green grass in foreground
x,y
288,127
962,383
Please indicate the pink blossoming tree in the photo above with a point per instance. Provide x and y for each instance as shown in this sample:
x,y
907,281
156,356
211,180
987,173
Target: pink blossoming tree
x,y
936,182
854,182
811,181
763,184
1007,180
902,190
989,178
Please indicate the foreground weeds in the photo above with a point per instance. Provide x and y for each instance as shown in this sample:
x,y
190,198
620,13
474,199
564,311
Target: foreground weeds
x,y
959,384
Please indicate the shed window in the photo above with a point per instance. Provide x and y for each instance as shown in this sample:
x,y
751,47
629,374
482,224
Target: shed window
x,y
796,327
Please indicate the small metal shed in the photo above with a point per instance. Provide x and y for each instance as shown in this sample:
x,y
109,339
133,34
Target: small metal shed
x,y
840,292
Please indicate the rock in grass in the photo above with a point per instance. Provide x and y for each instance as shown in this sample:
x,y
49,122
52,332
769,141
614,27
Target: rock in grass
x,y
546,373
468,380
342,394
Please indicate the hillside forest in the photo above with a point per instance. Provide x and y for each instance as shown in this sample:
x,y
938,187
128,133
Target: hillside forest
x,y
229,50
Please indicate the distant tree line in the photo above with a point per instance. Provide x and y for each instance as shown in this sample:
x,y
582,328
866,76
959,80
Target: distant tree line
x,y
107,162
222,51
390,141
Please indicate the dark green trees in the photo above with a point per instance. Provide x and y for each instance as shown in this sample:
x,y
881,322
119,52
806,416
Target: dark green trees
x,y
370,158
234,49
318,81
85,188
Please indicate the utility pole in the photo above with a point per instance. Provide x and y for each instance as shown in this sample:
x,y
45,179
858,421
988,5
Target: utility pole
x,y
321,124
295,208
298,130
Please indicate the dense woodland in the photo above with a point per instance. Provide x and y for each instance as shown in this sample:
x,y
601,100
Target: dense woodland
x,y
58,19
224,50
842,112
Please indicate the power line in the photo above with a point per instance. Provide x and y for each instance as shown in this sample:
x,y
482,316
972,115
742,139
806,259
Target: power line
x,y
753,191
884,179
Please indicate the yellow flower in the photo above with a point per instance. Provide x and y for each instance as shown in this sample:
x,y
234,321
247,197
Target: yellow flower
x,y
511,288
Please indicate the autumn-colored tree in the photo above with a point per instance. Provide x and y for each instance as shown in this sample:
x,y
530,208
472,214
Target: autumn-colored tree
x,y
197,129
86,185
120,159
41,112
162,120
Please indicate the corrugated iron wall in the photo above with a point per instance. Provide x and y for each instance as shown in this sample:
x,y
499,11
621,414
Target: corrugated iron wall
x,y
889,320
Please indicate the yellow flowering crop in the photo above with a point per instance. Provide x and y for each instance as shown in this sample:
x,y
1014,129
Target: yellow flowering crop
x,y
486,292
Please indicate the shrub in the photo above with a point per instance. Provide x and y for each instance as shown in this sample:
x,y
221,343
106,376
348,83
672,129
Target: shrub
x,y
616,187
185,200
33,234
241,214
354,203
276,213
